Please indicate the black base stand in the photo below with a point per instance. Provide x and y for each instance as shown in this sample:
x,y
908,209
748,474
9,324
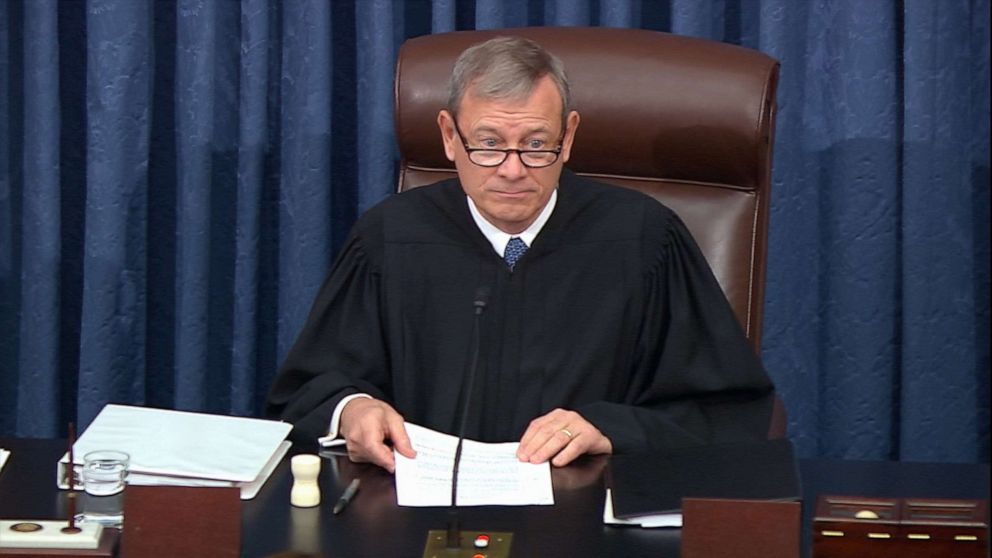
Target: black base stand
x,y
437,544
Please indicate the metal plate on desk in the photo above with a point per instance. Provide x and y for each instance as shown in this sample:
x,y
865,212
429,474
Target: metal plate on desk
x,y
499,545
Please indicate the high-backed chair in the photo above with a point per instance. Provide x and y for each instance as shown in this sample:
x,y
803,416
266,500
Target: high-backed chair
x,y
687,121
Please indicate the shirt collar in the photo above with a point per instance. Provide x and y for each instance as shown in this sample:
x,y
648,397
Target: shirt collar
x,y
498,238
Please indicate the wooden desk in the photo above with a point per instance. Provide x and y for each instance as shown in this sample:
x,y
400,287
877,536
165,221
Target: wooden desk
x,y
374,526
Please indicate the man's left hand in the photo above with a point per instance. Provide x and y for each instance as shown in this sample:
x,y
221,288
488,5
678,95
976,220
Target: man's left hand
x,y
561,436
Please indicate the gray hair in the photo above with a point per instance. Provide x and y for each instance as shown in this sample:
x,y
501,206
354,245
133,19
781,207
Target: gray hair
x,y
506,68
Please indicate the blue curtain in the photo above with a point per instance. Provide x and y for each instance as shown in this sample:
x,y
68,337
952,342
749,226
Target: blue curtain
x,y
176,177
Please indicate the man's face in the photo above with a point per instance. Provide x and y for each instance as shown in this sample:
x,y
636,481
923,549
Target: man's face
x,y
509,196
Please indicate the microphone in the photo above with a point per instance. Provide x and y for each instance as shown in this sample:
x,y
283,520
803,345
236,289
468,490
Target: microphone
x,y
448,543
454,527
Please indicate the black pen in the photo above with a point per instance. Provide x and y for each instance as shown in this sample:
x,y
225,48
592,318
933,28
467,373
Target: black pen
x,y
346,497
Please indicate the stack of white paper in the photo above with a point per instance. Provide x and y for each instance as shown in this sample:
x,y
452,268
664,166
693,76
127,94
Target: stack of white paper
x,y
653,520
489,474
185,449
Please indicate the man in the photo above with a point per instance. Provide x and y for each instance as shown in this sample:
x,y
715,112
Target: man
x,y
605,330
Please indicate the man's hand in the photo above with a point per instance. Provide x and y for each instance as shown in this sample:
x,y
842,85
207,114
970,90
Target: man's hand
x,y
366,425
561,436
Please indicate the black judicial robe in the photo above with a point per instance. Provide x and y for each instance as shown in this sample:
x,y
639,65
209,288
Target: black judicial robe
x,y
613,313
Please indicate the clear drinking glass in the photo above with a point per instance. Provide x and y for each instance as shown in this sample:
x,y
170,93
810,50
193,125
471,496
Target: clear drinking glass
x,y
104,477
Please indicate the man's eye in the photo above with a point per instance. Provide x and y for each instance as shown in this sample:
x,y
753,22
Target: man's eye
x,y
535,144
489,142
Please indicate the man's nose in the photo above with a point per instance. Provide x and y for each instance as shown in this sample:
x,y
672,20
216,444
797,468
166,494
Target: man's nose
x,y
512,166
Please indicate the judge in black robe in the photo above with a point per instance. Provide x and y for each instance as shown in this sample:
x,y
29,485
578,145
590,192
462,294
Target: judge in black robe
x,y
613,313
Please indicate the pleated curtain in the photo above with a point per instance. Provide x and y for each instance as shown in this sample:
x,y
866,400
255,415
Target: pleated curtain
x,y
177,176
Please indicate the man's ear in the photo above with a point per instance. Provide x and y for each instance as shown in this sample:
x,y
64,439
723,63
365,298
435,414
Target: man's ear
x,y
446,123
572,123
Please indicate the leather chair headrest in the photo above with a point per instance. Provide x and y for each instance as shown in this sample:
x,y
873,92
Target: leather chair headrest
x,y
673,103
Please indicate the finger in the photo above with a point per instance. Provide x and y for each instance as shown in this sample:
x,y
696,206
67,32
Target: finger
x,y
356,455
401,440
524,449
538,432
591,442
532,429
359,452
568,454
362,448
382,455
537,438
366,440
556,442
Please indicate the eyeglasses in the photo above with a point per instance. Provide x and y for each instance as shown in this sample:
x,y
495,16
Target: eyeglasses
x,y
531,158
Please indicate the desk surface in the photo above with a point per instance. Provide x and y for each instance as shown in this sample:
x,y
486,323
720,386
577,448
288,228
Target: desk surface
x,y
373,525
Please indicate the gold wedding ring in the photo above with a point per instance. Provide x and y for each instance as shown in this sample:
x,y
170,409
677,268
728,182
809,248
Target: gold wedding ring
x,y
567,433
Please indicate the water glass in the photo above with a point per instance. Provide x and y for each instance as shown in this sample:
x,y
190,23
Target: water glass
x,y
104,477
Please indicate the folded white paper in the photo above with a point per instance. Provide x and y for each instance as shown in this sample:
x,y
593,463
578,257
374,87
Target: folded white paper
x,y
184,448
488,475
4,454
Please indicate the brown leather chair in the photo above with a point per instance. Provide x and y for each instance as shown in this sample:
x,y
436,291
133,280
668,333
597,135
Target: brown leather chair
x,y
687,121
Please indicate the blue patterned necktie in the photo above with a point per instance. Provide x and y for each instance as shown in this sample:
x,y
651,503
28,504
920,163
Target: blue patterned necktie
x,y
514,249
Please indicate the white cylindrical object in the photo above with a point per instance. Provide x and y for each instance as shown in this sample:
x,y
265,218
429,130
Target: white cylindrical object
x,y
306,492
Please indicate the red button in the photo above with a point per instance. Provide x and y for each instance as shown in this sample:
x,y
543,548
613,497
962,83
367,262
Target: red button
x,y
482,541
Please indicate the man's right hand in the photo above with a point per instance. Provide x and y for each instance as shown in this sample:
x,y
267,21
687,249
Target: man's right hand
x,y
367,425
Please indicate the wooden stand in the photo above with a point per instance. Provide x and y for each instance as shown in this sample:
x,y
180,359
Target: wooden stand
x,y
718,528
192,522
106,544
853,526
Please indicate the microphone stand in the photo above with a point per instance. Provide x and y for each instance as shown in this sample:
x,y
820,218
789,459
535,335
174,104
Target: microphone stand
x,y
498,543
454,525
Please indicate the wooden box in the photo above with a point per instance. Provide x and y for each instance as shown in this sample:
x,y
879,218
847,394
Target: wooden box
x,y
853,526
720,528
186,521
